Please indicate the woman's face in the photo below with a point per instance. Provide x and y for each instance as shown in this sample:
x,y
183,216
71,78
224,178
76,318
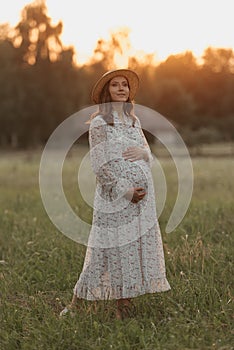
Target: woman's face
x,y
119,90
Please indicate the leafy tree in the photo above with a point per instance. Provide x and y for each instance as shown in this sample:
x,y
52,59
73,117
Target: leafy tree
x,y
35,37
10,94
110,54
39,91
218,60
40,85
214,92
182,67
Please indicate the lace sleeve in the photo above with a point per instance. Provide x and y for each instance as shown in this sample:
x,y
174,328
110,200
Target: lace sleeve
x,y
99,152
146,145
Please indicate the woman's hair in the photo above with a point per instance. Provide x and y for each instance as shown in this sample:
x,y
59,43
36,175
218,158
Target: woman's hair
x,y
105,108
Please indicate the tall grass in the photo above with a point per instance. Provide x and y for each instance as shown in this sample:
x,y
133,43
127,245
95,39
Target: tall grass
x,y
39,267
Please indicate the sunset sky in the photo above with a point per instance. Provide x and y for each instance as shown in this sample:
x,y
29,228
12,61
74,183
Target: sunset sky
x,y
162,27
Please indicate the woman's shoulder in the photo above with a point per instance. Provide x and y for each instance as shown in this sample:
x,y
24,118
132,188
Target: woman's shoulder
x,y
137,121
97,120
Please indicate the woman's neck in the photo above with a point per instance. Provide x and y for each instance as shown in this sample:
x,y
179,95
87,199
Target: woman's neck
x,y
118,107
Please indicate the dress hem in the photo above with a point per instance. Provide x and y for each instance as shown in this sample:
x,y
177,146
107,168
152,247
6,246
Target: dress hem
x,y
119,292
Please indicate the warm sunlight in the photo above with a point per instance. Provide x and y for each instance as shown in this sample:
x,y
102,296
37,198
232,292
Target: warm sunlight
x,y
159,27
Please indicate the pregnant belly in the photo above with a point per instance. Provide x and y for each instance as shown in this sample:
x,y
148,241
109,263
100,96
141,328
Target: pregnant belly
x,y
135,172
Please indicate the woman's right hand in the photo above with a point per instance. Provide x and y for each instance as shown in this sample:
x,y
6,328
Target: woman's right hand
x,y
135,194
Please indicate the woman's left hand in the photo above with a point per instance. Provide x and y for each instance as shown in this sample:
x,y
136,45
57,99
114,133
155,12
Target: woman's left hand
x,y
135,153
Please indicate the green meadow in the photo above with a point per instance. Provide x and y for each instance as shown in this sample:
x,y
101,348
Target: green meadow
x,y
39,267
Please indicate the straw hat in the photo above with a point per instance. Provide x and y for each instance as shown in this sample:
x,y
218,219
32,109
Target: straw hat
x,y
131,76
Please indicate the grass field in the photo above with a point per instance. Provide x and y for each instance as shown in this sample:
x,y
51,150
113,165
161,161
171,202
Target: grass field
x,y
39,267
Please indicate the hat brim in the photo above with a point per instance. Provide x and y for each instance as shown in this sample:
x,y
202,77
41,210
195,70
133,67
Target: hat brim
x,y
130,75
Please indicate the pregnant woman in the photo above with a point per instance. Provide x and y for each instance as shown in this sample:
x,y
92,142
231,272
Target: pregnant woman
x,y
124,257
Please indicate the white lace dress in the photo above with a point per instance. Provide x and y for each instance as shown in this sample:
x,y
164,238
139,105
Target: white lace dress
x,y
124,256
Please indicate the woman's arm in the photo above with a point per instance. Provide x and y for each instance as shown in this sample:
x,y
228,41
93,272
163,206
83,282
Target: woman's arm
x,y
148,154
101,165
98,152
139,152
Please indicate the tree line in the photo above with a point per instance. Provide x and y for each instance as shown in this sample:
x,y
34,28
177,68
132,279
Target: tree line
x,y
41,85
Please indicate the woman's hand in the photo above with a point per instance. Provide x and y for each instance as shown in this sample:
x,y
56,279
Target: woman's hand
x,y
135,194
135,153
